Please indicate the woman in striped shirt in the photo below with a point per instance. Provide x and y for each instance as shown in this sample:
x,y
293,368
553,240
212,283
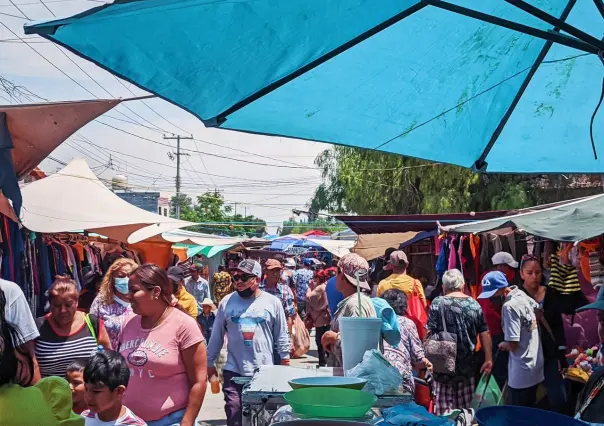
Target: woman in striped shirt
x,y
66,333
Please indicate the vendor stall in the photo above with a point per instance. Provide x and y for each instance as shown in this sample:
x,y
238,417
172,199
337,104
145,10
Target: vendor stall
x,y
264,392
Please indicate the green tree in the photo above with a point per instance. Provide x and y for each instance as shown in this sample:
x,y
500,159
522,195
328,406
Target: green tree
x,y
372,183
185,202
211,209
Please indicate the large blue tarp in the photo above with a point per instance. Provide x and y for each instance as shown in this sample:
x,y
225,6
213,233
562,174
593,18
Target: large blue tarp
x,y
434,85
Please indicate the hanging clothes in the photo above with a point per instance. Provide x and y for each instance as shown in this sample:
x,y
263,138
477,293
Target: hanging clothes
x,y
564,293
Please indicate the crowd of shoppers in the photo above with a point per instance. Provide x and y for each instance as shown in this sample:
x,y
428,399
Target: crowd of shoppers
x,y
159,322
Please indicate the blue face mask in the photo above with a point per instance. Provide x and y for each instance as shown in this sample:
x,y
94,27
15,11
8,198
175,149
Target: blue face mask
x,y
121,285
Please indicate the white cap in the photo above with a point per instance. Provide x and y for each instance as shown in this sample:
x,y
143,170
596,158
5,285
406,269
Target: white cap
x,y
290,263
504,258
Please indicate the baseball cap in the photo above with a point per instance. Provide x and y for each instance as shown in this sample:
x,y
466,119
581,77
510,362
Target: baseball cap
x,y
491,283
251,267
273,264
176,273
290,263
352,264
504,258
307,261
396,258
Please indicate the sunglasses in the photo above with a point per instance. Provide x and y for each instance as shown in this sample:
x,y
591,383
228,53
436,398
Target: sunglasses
x,y
242,277
529,258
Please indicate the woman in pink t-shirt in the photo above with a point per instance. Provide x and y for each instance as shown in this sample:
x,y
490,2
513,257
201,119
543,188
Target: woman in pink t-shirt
x,y
165,351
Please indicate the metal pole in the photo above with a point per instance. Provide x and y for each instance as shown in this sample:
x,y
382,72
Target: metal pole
x,y
177,177
178,154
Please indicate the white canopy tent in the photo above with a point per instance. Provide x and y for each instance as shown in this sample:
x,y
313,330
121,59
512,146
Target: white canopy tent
x,y
74,199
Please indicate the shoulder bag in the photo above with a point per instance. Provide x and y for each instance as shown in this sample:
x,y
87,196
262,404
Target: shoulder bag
x,y
441,348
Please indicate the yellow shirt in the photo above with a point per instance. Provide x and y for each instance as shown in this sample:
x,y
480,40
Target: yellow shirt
x,y
188,302
401,282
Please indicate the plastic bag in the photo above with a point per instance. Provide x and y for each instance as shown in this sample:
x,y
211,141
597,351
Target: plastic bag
x,y
381,376
416,311
390,329
488,387
300,338
413,415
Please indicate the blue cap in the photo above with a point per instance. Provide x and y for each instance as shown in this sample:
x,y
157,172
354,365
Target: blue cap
x,y
491,283
307,261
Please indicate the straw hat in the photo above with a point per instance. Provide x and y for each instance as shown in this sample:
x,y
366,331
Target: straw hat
x,y
208,301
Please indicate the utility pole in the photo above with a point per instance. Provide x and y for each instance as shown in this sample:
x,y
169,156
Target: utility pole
x,y
178,154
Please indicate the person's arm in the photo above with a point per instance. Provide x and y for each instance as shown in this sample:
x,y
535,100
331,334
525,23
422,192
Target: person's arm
x,y
434,316
194,359
416,349
30,348
216,339
487,345
511,329
280,334
103,339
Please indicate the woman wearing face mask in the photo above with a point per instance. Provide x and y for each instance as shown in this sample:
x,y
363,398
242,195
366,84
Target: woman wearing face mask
x,y
165,352
552,334
66,333
112,304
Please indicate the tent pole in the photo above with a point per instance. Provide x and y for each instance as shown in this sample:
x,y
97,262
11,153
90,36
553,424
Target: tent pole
x,y
538,13
545,35
480,165
600,5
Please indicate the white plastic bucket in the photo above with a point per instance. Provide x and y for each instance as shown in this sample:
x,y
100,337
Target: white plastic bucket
x,y
358,336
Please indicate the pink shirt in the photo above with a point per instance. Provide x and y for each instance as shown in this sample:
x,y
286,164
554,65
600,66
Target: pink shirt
x,y
158,379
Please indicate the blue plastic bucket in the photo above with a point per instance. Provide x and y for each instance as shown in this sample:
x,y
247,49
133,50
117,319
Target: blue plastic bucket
x,y
507,415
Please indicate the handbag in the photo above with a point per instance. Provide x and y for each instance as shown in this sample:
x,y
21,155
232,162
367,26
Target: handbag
x,y
300,338
441,348
416,311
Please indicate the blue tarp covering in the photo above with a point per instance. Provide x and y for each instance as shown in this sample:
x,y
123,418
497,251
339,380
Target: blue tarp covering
x,y
434,85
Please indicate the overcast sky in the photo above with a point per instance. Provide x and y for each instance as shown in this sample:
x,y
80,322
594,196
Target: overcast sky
x,y
267,192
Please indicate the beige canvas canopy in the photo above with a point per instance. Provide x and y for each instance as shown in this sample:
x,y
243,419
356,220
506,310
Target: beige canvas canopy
x,y
74,199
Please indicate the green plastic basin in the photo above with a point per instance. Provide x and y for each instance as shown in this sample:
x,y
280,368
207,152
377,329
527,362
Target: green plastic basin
x,y
328,381
330,402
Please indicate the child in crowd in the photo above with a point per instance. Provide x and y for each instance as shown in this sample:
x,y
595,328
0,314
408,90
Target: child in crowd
x,y
106,377
75,377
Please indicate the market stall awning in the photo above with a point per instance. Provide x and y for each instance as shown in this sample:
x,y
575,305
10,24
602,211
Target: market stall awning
x,y
372,246
336,247
412,222
38,129
75,199
476,83
574,221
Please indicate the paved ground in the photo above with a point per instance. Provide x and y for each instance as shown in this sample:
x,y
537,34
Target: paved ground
x,y
212,411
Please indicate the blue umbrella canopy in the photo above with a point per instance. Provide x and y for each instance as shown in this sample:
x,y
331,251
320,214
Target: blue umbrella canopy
x,y
482,84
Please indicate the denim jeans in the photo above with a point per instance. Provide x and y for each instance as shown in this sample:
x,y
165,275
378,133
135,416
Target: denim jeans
x,y
232,398
172,419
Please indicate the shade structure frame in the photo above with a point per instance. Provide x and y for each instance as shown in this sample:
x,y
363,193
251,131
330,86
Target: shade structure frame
x,y
214,116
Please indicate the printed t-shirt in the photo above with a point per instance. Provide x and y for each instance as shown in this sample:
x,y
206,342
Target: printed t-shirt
x,y
127,419
187,301
17,312
156,367
113,315
525,366
401,282
254,326
302,278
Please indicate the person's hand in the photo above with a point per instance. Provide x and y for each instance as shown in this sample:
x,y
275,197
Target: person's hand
x,y
486,367
329,339
285,361
428,365
505,346
212,372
